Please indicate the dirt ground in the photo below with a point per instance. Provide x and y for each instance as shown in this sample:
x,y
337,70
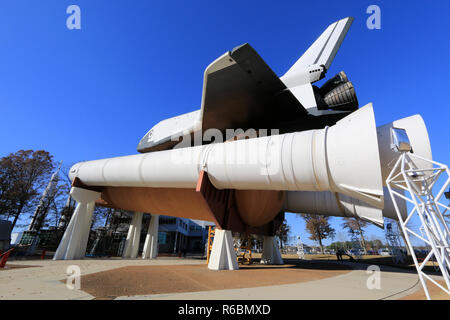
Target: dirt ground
x,y
435,293
145,280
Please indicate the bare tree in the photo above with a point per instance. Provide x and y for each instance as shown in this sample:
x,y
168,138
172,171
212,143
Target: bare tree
x,y
356,226
377,244
283,233
318,227
22,175
342,237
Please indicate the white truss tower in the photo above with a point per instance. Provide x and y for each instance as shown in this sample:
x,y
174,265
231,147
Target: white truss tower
x,y
419,183
422,233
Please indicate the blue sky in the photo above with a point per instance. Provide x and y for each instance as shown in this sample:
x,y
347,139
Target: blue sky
x,y
93,93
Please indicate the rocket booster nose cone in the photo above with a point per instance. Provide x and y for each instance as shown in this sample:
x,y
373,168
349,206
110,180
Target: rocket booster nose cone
x,y
73,172
418,136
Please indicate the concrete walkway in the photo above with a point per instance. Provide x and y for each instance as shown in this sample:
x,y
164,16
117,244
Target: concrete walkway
x,y
42,281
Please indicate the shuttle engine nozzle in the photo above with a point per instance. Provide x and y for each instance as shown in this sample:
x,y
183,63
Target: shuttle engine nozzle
x,y
337,94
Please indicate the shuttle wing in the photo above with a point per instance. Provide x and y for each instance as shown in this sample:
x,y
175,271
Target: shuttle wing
x,y
241,91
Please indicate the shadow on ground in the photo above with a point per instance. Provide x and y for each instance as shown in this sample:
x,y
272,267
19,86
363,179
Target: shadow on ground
x,y
384,262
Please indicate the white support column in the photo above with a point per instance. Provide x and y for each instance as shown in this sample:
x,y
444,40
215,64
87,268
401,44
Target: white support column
x,y
137,235
223,256
175,243
151,240
75,239
129,241
271,252
133,236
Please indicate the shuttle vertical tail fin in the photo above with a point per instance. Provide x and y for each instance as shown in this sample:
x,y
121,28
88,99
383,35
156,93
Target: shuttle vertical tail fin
x,y
314,63
324,49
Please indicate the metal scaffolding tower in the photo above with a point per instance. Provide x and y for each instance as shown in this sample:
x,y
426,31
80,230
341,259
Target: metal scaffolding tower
x,y
395,245
43,206
41,211
356,245
418,184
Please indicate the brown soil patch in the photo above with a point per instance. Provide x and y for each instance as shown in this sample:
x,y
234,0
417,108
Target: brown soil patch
x,y
435,292
144,280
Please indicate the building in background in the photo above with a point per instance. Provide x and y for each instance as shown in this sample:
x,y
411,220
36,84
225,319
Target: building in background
x,y
180,234
174,235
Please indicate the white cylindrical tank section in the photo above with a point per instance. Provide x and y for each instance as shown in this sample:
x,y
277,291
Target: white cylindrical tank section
x,y
343,158
418,137
331,204
334,204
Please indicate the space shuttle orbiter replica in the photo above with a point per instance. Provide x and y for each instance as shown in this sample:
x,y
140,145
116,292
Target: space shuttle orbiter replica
x,y
327,156
241,91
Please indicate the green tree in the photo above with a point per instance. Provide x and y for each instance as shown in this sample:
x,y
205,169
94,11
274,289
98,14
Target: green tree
x,y
377,244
